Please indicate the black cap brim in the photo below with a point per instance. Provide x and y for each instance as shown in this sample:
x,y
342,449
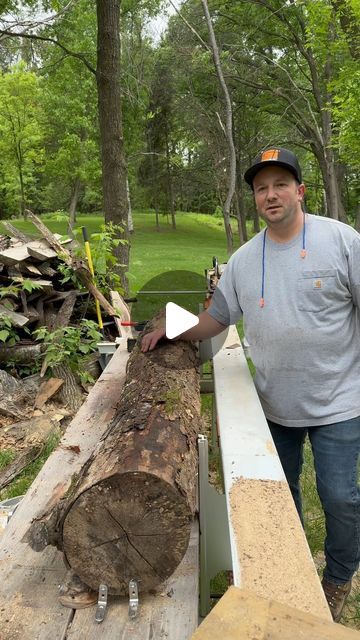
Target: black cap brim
x,y
250,174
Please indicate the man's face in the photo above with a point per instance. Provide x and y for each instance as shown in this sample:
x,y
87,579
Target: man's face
x,y
277,195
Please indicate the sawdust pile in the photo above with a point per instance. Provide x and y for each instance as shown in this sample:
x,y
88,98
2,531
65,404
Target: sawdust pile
x,y
273,553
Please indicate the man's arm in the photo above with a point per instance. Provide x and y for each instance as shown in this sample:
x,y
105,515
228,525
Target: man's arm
x,y
208,327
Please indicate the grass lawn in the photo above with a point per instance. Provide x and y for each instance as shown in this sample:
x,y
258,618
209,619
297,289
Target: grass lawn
x,y
161,260
191,247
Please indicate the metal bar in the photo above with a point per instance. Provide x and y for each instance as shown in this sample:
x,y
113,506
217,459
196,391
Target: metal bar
x,y
206,386
204,572
102,603
133,599
144,292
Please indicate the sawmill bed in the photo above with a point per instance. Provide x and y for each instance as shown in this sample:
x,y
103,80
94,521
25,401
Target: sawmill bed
x,y
33,611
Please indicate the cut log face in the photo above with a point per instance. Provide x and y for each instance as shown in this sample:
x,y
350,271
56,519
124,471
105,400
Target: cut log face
x,y
128,514
131,526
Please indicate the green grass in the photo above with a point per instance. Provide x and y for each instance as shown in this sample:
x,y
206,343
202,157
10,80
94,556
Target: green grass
x,y
20,485
198,237
6,456
161,260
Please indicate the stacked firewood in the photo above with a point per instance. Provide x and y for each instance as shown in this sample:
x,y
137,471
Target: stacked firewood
x,y
33,294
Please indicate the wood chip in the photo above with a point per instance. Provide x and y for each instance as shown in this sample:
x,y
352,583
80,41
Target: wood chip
x,y
47,390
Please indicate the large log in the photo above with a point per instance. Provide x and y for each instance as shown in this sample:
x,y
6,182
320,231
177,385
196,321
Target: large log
x,y
128,513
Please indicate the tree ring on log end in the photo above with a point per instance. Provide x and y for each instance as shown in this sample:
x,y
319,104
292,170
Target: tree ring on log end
x,y
129,526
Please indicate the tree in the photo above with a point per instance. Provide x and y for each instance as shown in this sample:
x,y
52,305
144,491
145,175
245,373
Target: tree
x,y
107,74
21,136
228,128
156,170
114,174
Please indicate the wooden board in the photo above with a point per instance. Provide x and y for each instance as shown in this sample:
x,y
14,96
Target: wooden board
x,y
170,614
28,580
40,250
29,606
17,319
118,304
14,255
242,615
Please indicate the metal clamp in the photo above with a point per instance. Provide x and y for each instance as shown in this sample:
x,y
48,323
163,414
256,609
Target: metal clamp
x,y
102,603
133,599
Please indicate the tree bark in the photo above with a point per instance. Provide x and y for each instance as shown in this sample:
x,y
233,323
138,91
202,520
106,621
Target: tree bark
x,y
73,202
128,513
114,172
170,190
334,206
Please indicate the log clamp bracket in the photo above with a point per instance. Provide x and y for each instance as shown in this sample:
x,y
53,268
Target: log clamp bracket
x,y
133,599
102,603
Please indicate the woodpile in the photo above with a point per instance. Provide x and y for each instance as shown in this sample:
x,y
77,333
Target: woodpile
x,y
33,267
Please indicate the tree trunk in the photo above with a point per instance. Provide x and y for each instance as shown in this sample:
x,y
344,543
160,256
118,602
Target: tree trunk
x,y
326,156
334,205
22,194
170,190
129,512
114,173
70,394
357,219
228,129
73,202
238,218
130,216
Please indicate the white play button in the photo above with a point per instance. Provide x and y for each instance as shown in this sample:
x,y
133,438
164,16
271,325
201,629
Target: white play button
x,y
178,320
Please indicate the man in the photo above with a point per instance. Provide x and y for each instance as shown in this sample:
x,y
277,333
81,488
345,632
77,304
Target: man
x,y
297,286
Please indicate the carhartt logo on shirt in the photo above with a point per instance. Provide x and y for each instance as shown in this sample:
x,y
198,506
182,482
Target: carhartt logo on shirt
x,y
317,284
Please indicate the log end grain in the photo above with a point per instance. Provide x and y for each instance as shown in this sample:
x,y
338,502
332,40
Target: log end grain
x,y
129,526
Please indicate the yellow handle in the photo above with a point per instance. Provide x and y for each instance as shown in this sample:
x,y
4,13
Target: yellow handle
x,y
91,268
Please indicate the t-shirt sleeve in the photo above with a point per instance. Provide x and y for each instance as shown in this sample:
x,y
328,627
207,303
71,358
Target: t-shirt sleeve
x,y
225,307
354,270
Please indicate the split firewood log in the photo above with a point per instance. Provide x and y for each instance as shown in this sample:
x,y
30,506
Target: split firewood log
x,y
22,352
128,514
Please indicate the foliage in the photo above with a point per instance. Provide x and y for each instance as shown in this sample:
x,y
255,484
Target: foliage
x,y
289,67
68,345
8,333
103,244
21,137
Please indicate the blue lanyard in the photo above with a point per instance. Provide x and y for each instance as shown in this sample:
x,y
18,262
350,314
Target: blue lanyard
x,y
302,255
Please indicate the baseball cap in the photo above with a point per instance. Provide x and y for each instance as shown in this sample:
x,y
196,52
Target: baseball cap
x,y
274,156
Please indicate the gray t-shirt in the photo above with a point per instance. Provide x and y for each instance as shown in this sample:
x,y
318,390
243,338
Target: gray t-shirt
x,y
305,340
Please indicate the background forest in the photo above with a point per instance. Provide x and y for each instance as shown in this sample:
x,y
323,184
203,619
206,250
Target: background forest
x,y
291,68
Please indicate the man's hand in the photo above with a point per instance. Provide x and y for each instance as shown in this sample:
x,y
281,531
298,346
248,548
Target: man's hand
x,y
208,327
150,340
